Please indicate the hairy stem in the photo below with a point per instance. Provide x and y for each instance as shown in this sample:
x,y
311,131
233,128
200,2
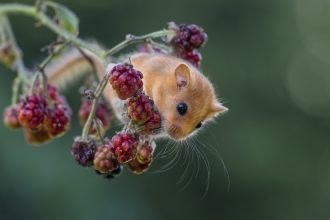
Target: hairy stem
x,y
133,39
15,88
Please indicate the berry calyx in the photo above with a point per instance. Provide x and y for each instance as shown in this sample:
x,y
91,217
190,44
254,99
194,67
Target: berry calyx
x,y
124,147
140,108
125,80
84,152
104,159
10,117
31,112
102,113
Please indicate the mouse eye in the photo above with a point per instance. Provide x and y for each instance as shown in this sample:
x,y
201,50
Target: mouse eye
x,y
182,108
199,125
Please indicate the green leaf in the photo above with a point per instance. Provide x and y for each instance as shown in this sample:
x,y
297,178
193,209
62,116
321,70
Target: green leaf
x,y
66,18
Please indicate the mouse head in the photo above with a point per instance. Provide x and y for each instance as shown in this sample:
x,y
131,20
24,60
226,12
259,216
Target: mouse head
x,y
190,102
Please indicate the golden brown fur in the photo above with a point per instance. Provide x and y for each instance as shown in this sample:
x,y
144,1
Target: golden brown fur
x,y
167,80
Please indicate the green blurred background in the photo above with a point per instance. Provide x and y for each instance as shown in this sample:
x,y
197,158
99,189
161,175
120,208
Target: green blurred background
x,y
270,62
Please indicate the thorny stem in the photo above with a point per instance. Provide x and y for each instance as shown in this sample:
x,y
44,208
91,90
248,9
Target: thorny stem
x,y
15,87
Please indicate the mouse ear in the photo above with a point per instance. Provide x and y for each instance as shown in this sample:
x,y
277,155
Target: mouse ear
x,y
218,108
182,75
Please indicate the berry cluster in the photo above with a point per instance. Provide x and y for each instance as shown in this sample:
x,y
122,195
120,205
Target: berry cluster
x,y
32,112
109,156
102,114
189,37
125,80
187,40
124,147
84,152
143,158
104,159
41,120
146,119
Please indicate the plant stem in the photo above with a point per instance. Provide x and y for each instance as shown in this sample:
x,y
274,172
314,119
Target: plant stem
x,y
52,55
34,82
97,95
133,39
11,8
15,88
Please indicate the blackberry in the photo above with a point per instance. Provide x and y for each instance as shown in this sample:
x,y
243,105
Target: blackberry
x,y
145,151
125,80
189,37
57,121
124,147
104,159
10,117
31,112
136,167
193,57
150,126
140,108
37,137
84,152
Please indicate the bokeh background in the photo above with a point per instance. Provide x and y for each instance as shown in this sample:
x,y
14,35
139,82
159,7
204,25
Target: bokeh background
x,y
270,63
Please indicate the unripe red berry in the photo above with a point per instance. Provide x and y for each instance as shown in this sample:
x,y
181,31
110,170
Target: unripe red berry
x,y
140,108
104,159
31,112
102,113
145,151
193,57
124,147
150,126
125,80
84,152
10,118
136,167
38,137
57,121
